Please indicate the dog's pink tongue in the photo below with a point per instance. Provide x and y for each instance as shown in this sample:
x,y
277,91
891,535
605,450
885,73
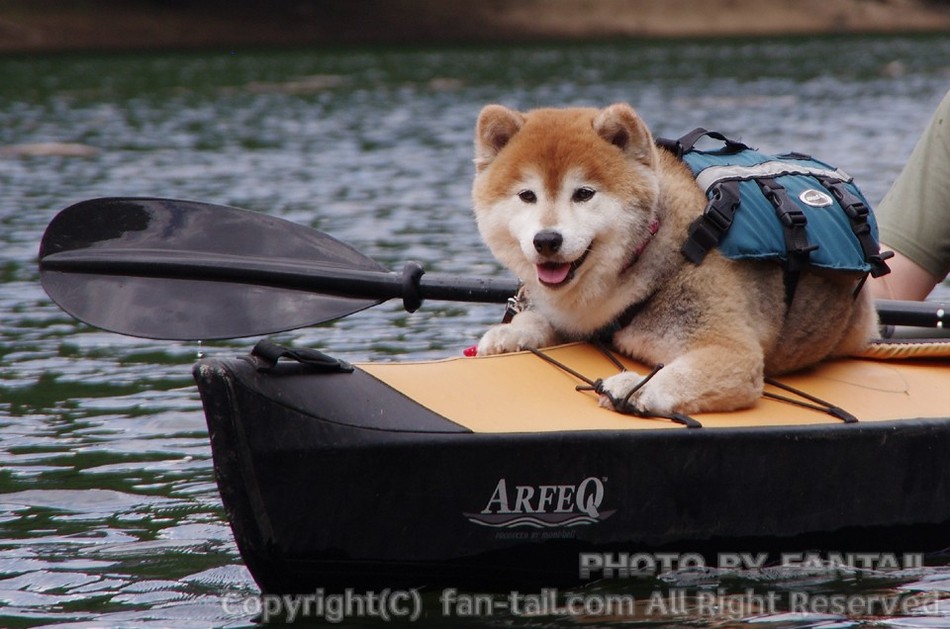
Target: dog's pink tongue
x,y
553,273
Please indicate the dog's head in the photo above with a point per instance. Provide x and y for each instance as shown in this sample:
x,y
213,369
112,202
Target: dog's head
x,y
565,198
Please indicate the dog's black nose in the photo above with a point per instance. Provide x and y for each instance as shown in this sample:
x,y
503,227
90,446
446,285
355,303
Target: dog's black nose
x,y
548,241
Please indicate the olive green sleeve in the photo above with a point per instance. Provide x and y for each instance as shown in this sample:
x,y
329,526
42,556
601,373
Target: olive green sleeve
x,y
914,216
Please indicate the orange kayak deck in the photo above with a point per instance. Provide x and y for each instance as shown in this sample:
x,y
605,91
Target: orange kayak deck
x,y
521,392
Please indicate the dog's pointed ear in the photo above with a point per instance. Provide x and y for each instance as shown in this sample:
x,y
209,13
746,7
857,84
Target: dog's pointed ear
x,y
495,128
620,125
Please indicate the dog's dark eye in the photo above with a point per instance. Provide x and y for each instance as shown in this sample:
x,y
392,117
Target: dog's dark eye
x,y
528,196
583,194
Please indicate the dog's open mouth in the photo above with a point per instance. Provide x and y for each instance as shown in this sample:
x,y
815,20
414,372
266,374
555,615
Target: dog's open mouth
x,y
555,274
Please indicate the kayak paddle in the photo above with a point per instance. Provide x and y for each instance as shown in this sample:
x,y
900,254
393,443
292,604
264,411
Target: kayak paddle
x,y
186,270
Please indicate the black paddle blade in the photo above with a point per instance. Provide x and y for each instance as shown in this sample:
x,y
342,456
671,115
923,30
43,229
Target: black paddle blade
x,y
169,269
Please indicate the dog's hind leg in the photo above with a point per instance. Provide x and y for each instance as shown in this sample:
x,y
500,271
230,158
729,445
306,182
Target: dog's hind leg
x,y
862,327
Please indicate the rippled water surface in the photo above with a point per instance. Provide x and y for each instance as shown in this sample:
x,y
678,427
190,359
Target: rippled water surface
x,y
109,515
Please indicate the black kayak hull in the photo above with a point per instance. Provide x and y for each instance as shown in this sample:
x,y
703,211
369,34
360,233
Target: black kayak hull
x,y
338,481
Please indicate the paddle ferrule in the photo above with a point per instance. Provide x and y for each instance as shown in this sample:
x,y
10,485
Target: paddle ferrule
x,y
411,294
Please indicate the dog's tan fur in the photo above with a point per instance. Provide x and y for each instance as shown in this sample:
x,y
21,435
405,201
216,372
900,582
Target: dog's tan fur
x,y
719,326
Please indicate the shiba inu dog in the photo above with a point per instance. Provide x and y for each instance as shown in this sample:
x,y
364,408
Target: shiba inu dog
x,y
584,208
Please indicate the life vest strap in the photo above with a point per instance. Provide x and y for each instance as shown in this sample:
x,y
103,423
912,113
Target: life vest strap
x,y
858,213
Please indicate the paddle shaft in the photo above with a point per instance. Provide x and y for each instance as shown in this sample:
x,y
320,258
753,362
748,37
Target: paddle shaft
x,y
412,285
923,314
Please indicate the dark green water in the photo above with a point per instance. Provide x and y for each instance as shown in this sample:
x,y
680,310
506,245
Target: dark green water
x,y
109,515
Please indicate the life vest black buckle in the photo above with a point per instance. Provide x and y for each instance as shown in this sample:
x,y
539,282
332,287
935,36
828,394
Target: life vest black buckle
x,y
708,229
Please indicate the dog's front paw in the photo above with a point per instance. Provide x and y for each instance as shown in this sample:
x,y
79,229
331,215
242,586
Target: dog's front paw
x,y
615,389
505,338
526,331
654,397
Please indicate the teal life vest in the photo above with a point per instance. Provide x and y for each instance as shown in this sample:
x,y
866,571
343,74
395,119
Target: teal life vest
x,y
791,208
